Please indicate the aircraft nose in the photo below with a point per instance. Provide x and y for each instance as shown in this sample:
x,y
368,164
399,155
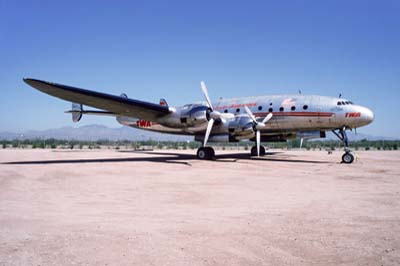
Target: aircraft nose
x,y
367,115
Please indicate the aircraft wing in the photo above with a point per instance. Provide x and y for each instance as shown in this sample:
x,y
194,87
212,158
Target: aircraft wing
x,y
111,103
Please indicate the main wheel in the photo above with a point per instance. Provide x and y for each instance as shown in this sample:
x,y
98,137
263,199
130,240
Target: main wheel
x,y
205,153
253,151
347,158
262,151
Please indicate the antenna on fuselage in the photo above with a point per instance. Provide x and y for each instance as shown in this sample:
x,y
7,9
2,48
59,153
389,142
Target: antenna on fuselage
x,y
340,95
299,91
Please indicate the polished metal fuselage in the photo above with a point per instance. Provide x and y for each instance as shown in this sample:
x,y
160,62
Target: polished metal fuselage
x,y
291,114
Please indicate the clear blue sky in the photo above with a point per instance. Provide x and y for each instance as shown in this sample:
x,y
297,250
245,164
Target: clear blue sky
x,y
151,49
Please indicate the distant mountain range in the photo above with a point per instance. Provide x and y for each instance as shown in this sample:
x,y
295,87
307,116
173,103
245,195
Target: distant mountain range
x,y
96,132
359,136
93,132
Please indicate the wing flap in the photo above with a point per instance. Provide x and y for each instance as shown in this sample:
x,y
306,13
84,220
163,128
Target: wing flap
x,y
111,103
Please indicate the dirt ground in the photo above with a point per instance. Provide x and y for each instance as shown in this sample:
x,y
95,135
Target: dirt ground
x,y
167,208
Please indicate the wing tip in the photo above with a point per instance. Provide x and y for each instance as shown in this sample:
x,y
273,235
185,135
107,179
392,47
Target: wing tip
x,y
30,81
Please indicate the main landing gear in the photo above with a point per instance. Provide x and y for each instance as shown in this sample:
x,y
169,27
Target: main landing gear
x,y
253,151
205,153
348,156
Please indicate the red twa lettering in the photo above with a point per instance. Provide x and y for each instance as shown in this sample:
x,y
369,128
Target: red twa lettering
x,y
353,114
143,123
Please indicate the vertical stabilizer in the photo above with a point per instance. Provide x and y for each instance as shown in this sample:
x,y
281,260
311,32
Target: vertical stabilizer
x,y
163,102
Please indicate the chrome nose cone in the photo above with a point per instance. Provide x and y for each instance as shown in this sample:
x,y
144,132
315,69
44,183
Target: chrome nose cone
x,y
367,115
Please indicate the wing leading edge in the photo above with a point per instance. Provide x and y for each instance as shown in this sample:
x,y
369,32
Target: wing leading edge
x,y
115,104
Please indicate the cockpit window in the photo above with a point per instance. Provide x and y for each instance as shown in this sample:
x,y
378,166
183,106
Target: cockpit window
x,y
187,106
344,102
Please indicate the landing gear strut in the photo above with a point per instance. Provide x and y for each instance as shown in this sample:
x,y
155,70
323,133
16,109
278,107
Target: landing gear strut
x,y
348,156
205,153
253,151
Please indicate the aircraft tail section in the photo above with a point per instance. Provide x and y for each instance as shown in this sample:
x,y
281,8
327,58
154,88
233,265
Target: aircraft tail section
x,y
163,102
77,111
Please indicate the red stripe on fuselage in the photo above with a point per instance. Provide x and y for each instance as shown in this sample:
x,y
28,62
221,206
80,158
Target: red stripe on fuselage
x,y
306,114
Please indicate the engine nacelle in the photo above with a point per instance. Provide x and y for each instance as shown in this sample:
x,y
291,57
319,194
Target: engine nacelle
x,y
193,114
242,125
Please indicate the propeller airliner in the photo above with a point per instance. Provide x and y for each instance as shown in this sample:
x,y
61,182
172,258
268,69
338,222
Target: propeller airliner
x,y
271,118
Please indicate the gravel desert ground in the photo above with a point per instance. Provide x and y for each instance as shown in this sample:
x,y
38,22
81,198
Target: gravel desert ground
x,y
109,207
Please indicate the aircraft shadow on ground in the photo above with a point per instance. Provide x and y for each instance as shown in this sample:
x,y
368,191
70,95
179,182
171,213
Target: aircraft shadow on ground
x,y
170,157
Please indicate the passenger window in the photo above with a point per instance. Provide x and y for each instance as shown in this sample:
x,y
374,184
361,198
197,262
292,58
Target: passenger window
x,y
271,110
281,109
226,110
305,107
237,110
293,108
259,108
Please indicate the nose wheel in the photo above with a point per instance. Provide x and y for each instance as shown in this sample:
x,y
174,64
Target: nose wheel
x,y
205,153
348,156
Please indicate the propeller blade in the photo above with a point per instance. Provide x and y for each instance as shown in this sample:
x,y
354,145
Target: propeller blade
x,y
208,131
205,92
250,114
267,118
258,140
301,143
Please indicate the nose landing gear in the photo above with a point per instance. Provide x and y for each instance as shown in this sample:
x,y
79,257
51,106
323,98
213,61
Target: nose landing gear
x,y
348,156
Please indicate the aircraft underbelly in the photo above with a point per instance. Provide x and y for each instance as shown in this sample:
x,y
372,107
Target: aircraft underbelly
x,y
287,123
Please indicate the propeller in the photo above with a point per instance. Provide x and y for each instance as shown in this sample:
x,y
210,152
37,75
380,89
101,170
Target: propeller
x,y
257,126
211,114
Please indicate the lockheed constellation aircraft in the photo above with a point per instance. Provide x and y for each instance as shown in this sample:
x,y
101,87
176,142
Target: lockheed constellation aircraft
x,y
271,118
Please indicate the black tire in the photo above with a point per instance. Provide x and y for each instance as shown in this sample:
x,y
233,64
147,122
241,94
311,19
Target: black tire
x,y
347,158
253,151
262,151
202,153
205,153
211,152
